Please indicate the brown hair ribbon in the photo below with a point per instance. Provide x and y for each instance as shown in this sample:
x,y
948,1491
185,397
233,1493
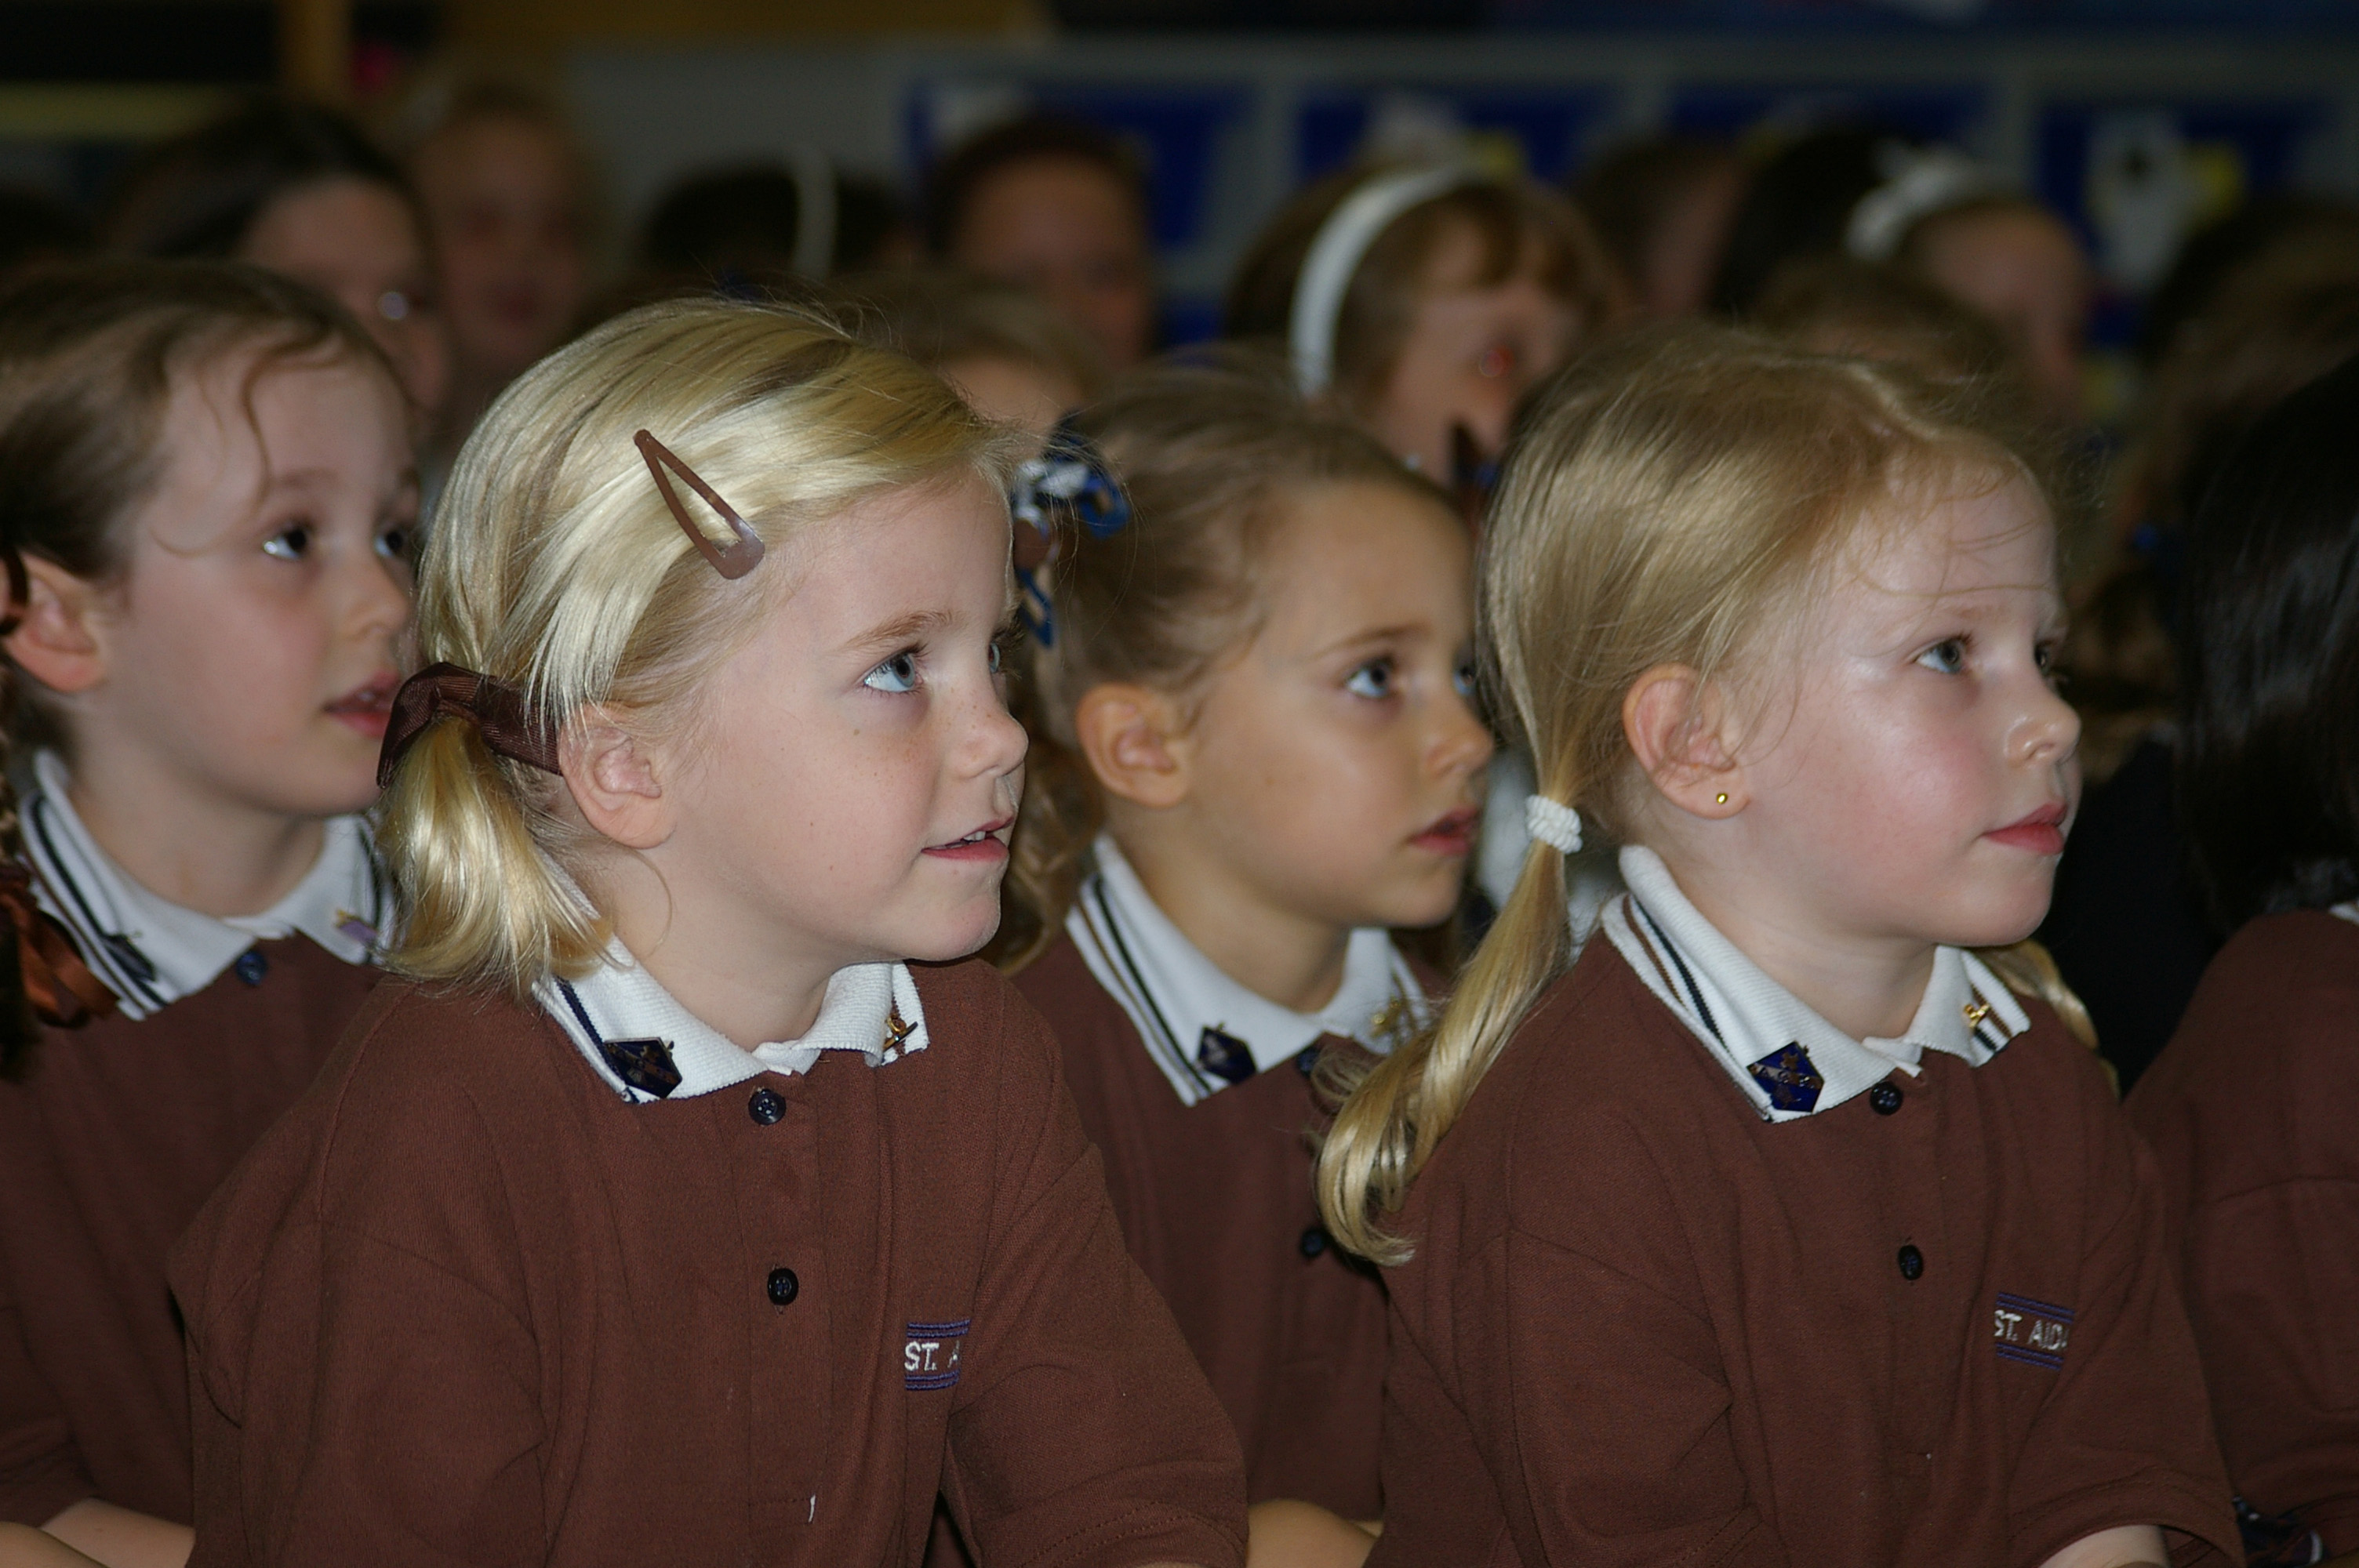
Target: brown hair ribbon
x,y
496,708
62,988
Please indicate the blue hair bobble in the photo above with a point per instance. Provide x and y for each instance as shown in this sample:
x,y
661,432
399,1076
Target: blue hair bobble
x,y
1069,480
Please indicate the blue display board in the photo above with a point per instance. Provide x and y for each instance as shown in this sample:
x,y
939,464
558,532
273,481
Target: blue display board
x,y
1555,126
1933,112
1176,130
1927,16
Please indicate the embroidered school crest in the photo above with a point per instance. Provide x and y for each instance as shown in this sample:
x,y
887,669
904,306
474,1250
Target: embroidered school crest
x,y
933,1353
645,1065
2035,1333
1224,1055
1787,1074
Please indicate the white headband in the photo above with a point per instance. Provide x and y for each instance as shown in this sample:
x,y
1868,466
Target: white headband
x,y
1341,245
1916,185
815,211
1553,823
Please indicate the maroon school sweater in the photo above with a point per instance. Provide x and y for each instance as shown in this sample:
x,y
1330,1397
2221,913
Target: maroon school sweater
x,y
109,1143
1215,1202
1644,1326
467,1305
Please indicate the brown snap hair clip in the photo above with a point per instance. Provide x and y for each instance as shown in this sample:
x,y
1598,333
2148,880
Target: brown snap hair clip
x,y
732,560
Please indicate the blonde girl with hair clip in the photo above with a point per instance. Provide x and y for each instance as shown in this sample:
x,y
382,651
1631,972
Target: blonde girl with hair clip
x,y
1254,753
206,492
668,1211
1792,1223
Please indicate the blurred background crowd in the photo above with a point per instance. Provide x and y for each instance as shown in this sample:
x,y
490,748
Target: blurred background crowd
x,y
2143,215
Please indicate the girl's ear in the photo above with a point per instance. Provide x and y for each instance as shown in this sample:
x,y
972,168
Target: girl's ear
x,y
614,781
1677,727
1136,740
58,642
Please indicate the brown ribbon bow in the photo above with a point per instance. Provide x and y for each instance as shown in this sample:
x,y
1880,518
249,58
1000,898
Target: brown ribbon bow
x,y
61,987
497,710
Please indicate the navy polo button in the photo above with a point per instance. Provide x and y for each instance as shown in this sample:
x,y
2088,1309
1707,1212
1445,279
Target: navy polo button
x,y
766,1107
252,965
1313,1242
1306,1061
1912,1263
1884,1098
783,1287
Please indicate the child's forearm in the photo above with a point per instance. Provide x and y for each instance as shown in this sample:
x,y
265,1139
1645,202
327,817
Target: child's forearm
x,y
22,1546
2123,1546
102,1532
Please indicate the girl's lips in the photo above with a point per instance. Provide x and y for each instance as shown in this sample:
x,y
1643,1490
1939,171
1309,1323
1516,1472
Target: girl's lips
x,y
982,847
369,708
2041,833
1451,836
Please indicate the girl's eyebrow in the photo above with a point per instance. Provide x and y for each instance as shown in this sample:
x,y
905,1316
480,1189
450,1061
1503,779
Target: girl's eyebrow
x,y
898,632
1373,634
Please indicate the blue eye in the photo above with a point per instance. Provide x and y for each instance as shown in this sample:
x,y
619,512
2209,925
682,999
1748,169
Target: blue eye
x,y
1946,658
999,657
896,674
1373,679
1462,679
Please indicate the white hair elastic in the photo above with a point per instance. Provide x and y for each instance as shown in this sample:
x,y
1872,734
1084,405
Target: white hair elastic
x,y
815,211
1917,184
1336,251
1553,823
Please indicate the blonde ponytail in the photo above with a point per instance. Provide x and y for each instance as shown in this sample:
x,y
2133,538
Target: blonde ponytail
x,y
1392,1118
1670,501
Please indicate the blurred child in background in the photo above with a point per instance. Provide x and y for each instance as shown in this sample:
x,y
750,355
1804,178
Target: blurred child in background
x,y
205,493
1011,356
2019,266
1424,303
1254,752
1784,1225
2128,928
1662,207
301,190
1874,310
2251,1108
1063,209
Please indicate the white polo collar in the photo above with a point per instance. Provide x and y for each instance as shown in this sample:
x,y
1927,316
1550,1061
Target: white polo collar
x,y
151,952
1204,1029
1790,1062
648,1047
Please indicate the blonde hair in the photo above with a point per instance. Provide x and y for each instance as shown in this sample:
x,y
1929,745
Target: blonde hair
x,y
1209,454
1666,502
555,566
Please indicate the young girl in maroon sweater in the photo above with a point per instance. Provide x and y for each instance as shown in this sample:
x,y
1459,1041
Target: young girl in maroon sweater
x,y
687,1201
1790,1224
205,498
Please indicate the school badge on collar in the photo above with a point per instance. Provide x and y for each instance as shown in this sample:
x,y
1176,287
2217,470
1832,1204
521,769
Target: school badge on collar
x,y
1792,1081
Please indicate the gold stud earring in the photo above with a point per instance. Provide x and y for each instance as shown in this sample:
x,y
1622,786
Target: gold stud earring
x,y
1721,798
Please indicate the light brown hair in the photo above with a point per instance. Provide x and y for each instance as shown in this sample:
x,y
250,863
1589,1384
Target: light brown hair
x,y
1210,455
1677,498
89,358
1518,224
939,316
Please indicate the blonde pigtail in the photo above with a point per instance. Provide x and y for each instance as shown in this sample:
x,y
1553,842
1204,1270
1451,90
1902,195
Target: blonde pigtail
x,y
481,901
1402,1106
2027,969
